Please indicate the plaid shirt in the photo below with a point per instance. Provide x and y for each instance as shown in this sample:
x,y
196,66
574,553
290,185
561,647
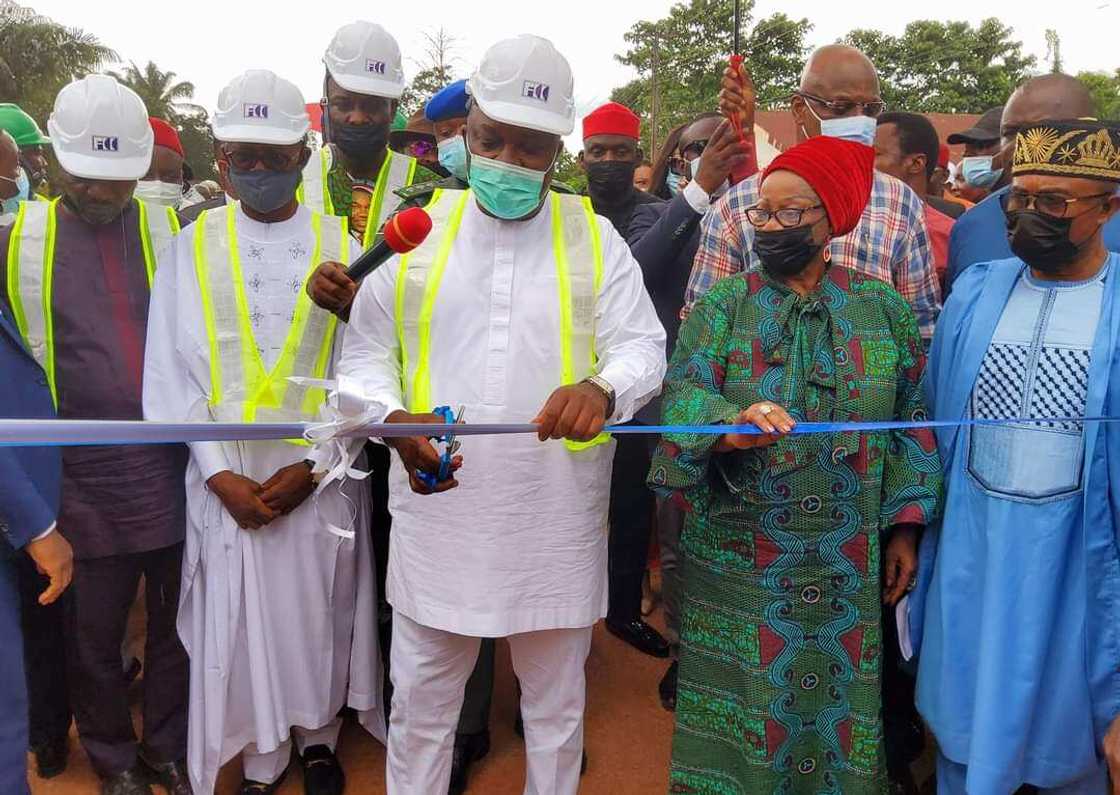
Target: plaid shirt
x,y
889,243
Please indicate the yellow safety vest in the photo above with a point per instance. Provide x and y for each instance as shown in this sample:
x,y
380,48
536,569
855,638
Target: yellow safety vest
x,y
578,252
241,388
31,270
397,171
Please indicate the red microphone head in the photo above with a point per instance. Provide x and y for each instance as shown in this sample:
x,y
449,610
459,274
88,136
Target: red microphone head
x,y
407,229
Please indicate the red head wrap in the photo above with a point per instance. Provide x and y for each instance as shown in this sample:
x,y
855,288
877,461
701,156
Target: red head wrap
x,y
943,156
166,135
611,119
839,171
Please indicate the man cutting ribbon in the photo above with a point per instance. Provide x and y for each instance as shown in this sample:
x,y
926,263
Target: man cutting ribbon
x,y
521,304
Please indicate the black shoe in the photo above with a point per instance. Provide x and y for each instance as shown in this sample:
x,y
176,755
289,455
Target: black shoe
x,y
469,748
322,774
172,776
51,757
249,787
583,763
641,636
667,688
130,782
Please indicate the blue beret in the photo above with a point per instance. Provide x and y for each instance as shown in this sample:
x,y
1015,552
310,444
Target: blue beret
x,y
450,102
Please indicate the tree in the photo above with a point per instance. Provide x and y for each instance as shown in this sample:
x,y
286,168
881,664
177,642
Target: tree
x,y
1105,89
1054,51
170,99
688,50
163,95
946,67
437,69
569,171
39,57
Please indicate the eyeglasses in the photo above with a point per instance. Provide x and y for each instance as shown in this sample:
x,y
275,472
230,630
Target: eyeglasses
x,y
788,217
273,159
844,107
420,148
1046,203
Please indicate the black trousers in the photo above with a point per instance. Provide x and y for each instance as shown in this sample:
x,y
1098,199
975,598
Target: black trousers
x,y
631,512
44,657
100,598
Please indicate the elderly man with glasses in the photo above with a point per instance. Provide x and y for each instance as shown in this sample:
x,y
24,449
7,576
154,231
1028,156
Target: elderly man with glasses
x,y
838,97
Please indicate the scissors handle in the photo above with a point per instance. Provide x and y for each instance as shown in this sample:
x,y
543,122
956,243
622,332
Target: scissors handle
x,y
428,479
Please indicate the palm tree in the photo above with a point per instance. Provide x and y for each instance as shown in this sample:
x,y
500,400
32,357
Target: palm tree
x,y
165,97
38,57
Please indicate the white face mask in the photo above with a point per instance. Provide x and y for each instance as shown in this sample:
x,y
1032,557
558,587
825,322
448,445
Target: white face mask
x,y
694,169
860,129
165,194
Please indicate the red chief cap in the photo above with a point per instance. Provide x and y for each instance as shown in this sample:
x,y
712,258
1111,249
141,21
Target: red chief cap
x,y
943,156
839,171
612,119
166,135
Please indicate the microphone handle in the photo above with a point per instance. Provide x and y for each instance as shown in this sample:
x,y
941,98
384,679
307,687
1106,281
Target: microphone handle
x,y
370,261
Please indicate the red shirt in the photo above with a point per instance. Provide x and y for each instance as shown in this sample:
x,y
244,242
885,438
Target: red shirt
x,y
938,227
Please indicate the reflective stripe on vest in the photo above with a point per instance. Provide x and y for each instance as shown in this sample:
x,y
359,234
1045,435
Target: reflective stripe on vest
x,y
241,389
31,268
578,252
397,171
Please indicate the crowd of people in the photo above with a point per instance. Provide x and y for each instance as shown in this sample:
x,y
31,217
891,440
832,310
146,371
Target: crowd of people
x,y
841,578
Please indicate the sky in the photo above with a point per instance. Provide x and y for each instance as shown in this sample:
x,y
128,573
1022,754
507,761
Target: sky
x,y
208,42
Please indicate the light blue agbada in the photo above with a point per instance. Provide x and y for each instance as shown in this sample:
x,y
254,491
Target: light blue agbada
x,y
1017,607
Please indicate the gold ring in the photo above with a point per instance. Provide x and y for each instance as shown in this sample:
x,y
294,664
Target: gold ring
x,y
765,409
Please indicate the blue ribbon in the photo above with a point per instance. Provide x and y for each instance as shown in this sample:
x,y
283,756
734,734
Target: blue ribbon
x,y
67,433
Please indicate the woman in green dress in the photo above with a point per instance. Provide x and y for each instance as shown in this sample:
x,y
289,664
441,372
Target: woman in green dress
x,y
782,583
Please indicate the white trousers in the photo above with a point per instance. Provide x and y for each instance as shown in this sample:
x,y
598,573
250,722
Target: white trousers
x,y
430,669
266,768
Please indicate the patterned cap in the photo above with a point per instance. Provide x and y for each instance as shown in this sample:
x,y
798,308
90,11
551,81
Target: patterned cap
x,y
1079,148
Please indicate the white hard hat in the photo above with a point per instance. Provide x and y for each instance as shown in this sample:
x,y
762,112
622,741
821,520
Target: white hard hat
x,y
364,58
258,107
99,130
524,81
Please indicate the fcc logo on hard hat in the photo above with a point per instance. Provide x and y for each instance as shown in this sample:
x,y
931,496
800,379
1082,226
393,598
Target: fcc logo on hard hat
x,y
255,110
375,67
534,90
106,143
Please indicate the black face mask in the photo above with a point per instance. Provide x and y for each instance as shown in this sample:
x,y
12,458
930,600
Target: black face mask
x,y
94,213
360,141
786,252
1040,240
610,180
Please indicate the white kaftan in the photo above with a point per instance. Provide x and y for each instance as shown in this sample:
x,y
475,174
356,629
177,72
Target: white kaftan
x,y
280,623
521,544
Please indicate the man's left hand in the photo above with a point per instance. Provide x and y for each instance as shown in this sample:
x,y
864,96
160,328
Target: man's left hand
x,y
1111,748
577,412
287,489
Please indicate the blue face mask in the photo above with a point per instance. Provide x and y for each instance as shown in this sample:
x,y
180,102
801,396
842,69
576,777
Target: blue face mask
x,y
453,156
860,129
672,182
504,190
978,172
265,191
23,191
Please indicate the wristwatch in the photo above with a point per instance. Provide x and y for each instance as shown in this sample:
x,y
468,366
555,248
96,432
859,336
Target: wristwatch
x,y
316,477
605,388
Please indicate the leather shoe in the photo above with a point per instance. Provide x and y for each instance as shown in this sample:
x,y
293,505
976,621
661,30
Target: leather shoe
x,y
322,774
469,748
641,636
172,776
249,787
51,757
667,688
131,782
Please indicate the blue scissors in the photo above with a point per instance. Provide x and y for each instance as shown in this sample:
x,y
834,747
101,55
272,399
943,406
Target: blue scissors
x,y
448,447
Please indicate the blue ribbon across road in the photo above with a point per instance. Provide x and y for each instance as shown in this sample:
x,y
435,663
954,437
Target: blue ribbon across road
x,y
70,433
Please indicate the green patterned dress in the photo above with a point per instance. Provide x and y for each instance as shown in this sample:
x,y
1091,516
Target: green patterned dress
x,y
779,677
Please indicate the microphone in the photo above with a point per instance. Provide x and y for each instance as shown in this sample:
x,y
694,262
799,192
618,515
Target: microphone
x,y
403,232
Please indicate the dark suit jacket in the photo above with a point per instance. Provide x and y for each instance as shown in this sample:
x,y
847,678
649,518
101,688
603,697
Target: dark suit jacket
x,y
29,476
663,239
